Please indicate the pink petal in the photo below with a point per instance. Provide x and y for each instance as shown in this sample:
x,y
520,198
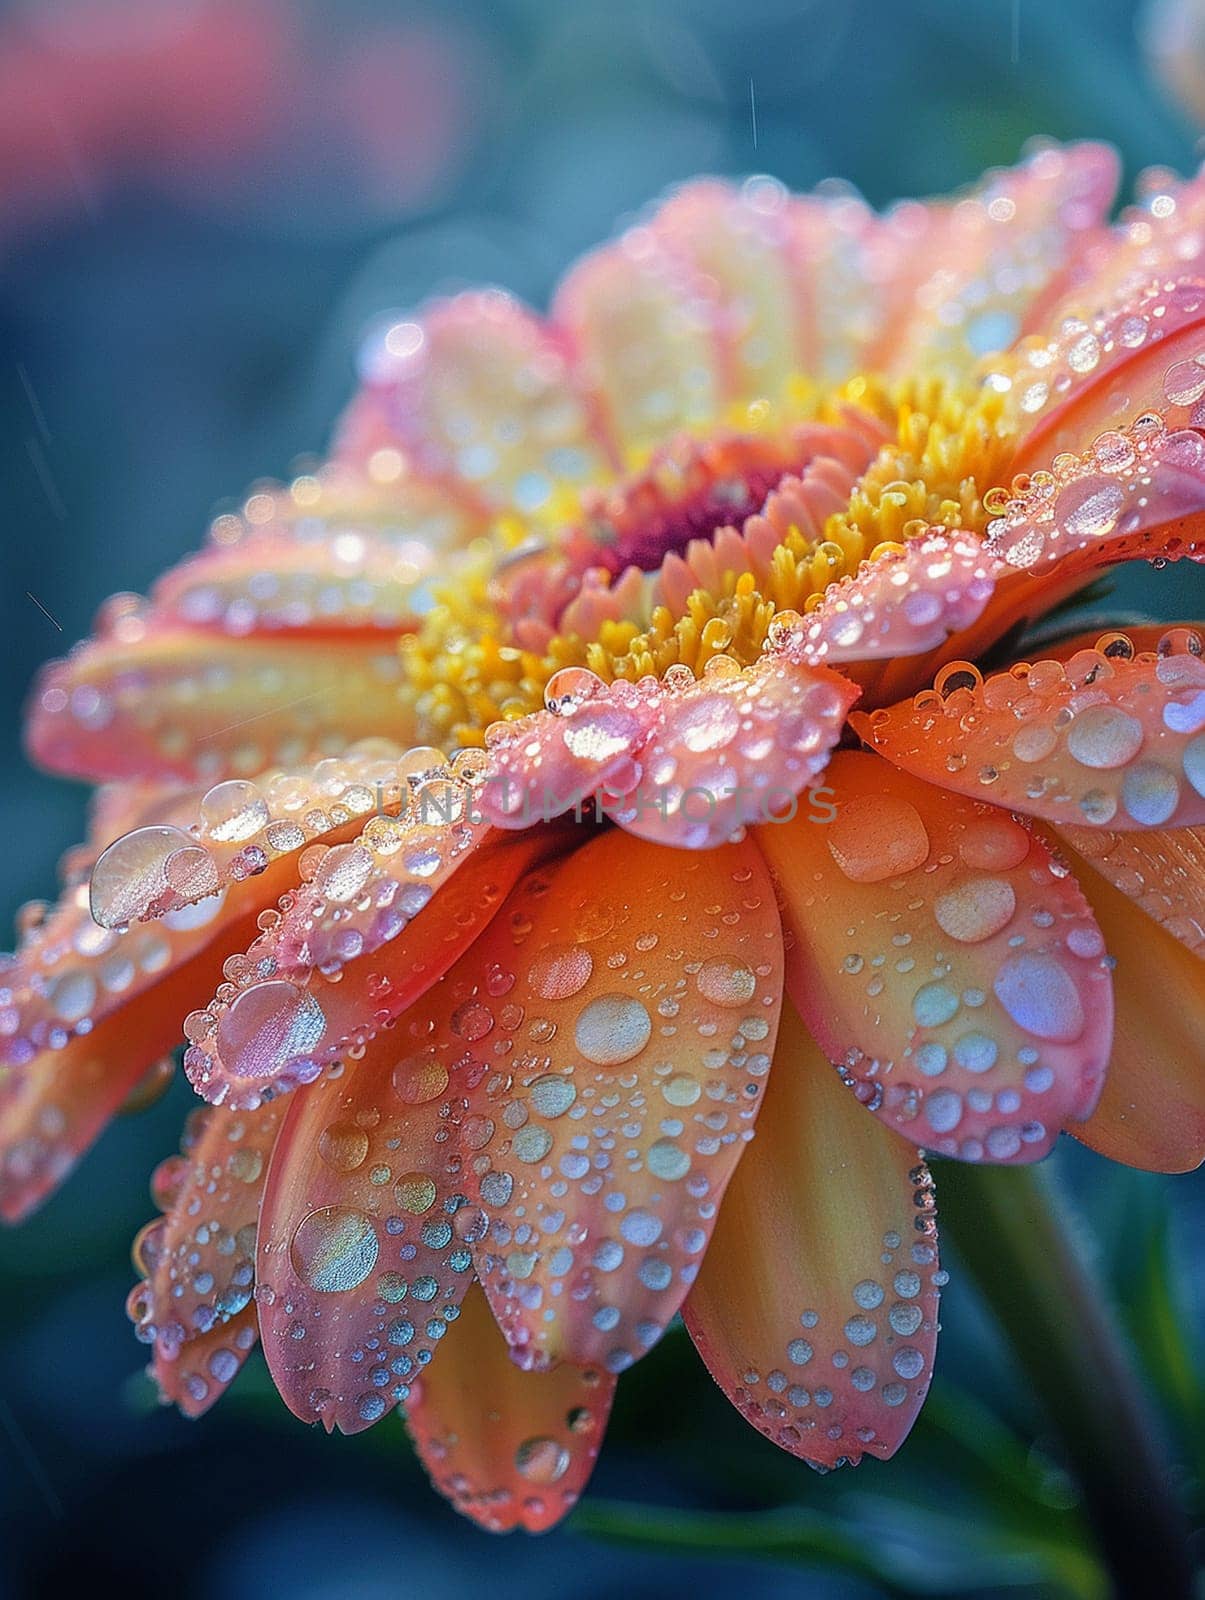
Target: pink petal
x,y
903,603
682,761
480,390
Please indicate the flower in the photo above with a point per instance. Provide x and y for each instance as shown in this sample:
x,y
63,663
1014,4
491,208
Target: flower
x,y
485,1037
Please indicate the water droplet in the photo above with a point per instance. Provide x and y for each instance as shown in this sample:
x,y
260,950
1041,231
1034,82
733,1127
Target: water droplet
x,y
561,971
334,1249
268,1026
343,1146
542,1461
612,1029
726,983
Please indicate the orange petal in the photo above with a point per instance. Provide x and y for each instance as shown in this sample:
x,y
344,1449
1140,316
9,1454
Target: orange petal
x,y
200,1256
1152,1112
1162,870
816,1304
1109,738
621,1078
278,1022
72,1055
363,1254
509,1449
205,1367
479,389
946,961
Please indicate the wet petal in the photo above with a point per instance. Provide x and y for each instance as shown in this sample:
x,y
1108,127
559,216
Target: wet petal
x,y
184,703
203,1369
1136,491
481,390
988,255
66,999
816,1305
1162,870
364,1233
946,961
1096,373
645,336
739,242
344,579
1152,1111
509,1449
681,761
277,1021
199,1257
1110,738
626,1007
202,843
904,603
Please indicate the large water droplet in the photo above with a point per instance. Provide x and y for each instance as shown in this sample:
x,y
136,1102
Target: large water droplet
x,y
542,1461
612,1029
130,874
268,1026
334,1249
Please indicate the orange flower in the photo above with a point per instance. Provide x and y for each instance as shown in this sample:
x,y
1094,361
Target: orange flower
x,y
486,1038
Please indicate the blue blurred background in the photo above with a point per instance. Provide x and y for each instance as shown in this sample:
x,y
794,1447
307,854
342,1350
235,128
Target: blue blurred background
x,y
202,205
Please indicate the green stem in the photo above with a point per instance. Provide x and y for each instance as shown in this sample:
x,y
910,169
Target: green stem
x,y
1008,1227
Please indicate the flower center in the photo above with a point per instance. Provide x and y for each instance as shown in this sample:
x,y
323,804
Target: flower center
x,y
694,555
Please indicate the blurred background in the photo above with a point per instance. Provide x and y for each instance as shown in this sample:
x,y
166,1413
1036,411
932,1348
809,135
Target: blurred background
x,y
203,203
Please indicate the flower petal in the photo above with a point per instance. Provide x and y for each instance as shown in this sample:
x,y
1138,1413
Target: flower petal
x,y
1152,1112
989,254
1162,870
1137,491
205,1367
680,761
509,1449
363,1256
199,844
275,643
1109,738
278,1021
903,603
199,1257
621,1077
644,331
946,961
187,704
1096,374
479,389
816,1304
739,242
65,1035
